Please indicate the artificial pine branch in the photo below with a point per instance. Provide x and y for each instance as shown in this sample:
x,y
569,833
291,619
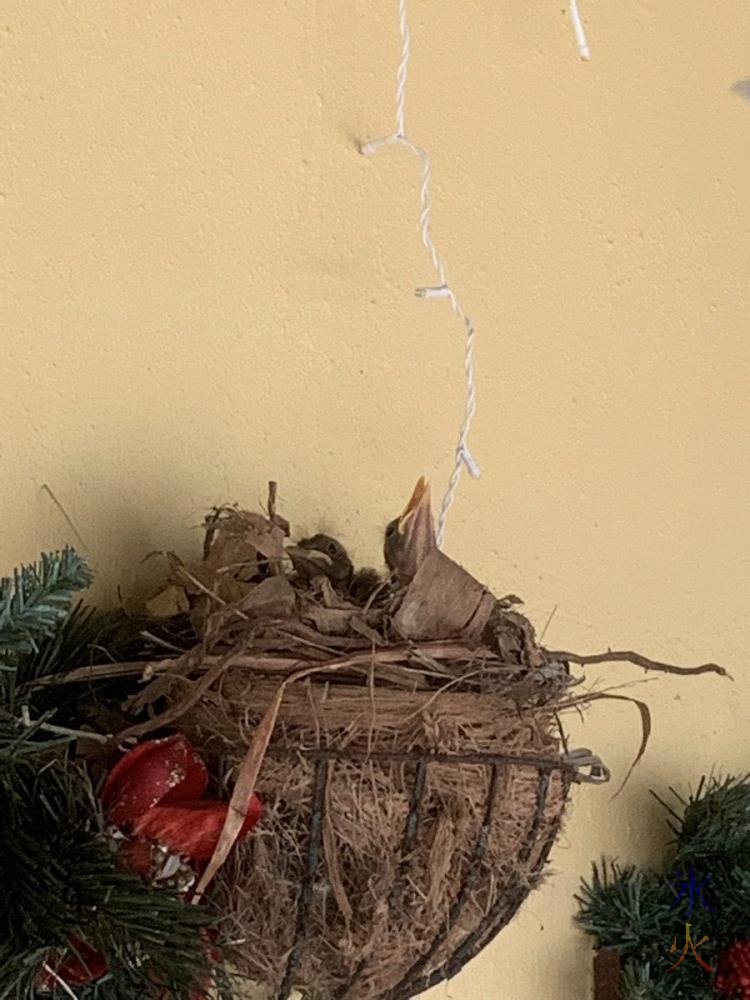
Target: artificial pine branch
x,y
33,605
640,915
61,879
627,909
37,599
85,635
67,646
88,635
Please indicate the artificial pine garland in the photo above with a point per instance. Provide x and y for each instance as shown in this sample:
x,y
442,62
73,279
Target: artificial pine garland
x,y
643,916
67,905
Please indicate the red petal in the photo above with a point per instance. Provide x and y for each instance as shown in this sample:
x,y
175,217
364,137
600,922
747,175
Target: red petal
x,y
83,964
157,771
192,829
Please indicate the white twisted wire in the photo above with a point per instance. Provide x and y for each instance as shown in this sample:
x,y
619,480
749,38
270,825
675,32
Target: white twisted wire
x,y
403,69
463,456
580,31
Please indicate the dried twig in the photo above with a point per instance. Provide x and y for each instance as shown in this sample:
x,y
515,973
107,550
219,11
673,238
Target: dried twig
x,y
46,489
628,656
272,490
49,727
396,654
179,708
210,523
231,608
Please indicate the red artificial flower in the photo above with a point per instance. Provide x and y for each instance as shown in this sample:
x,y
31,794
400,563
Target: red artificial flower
x,y
80,965
138,856
733,974
155,772
192,829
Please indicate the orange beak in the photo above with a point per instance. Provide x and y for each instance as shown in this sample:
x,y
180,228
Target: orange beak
x,y
415,525
417,509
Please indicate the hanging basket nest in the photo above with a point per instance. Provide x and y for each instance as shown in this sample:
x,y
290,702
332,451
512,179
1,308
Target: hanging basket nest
x,y
404,742
404,739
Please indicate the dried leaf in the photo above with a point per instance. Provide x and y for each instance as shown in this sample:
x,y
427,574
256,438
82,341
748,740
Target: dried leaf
x,y
442,601
271,598
281,522
233,553
231,590
242,794
331,621
360,626
532,653
195,577
644,712
168,602
265,536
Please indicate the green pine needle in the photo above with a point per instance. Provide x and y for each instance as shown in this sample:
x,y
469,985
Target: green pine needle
x,y
625,908
38,597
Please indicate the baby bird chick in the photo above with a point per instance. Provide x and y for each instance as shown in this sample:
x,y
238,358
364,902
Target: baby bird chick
x,y
322,555
410,536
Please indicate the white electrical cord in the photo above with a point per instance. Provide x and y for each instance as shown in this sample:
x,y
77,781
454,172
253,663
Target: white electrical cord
x,y
442,290
580,31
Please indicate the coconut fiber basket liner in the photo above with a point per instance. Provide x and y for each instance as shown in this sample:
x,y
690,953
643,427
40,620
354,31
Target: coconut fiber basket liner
x,y
405,743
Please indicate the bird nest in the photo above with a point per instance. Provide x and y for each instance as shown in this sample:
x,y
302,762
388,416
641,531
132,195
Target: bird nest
x,y
403,735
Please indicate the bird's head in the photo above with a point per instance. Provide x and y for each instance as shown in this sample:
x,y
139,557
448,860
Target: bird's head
x,y
322,555
411,535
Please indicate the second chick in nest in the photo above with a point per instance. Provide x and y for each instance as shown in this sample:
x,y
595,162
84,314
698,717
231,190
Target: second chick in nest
x,y
324,555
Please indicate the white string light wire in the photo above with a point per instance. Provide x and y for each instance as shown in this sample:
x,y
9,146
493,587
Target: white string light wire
x,y
580,31
463,456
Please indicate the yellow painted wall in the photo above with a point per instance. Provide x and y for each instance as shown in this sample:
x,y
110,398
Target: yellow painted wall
x,y
205,285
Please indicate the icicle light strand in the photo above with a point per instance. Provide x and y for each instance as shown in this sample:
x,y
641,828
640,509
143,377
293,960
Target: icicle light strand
x,y
580,31
463,456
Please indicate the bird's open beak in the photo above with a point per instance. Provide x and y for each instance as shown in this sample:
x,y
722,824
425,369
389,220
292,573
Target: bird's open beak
x,y
410,537
417,510
416,517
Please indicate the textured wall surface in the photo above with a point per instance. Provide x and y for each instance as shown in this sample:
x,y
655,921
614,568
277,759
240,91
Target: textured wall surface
x,y
205,285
